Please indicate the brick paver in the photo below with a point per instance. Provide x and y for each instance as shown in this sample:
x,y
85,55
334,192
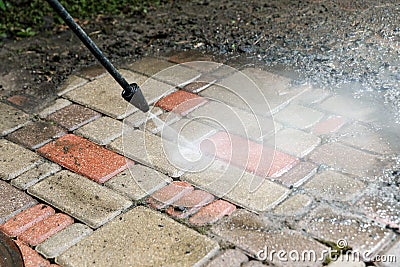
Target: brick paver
x,y
252,234
138,181
81,198
189,204
192,131
147,149
149,65
11,119
30,257
295,142
13,201
57,105
178,75
157,124
26,219
181,102
71,83
36,134
212,213
230,257
84,157
66,238
330,224
101,131
157,240
294,205
227,96
24,102
169,194
45,228
35,175
298,116
73,116
330,125
347,159
312,96
196,87
249,155
298,174
138,118
15,160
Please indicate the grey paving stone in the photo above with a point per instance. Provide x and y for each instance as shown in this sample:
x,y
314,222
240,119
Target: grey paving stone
x,y
60,242
299,117
101,131
227,96
138,118
294,205
149,65
365,138
153,90
104,95
13,201
15,159
347,159
71,83
295,142
192,131
253,264
58,104
138,182
157,124
234,120
298,174
349,107
177,75
11,119
333,186
229,257
35,175
258,237
145,148
141,237
80,197
331,224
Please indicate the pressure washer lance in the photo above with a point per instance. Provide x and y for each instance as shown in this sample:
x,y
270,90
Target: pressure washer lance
x,y
131,92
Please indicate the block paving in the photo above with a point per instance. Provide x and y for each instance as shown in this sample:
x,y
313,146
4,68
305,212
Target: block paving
x,y
87,182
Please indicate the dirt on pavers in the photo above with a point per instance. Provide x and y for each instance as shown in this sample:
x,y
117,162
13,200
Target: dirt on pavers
x,y
332,43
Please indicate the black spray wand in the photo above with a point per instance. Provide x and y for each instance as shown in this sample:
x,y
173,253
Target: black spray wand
x,y
131,92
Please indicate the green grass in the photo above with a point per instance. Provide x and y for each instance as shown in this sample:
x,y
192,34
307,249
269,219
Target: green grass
x,y
24,18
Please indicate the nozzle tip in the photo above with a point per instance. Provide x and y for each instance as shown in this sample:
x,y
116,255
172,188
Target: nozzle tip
x,y
136,98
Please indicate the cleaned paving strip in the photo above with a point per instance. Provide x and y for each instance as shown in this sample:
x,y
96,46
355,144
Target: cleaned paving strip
x,y
15,160
85,158
35,175
101,131
138,182
138,118
11,119
60,242
81,198
145,237
13,201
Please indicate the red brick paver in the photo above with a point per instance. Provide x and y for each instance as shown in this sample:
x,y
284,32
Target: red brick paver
x,y
181,102
189,204
46,228
26,219
73,116
196,87
30,257
85,158
330,125
169,194
212,213
254,157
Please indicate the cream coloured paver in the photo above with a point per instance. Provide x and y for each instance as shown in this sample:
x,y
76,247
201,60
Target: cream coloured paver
x,y
11,119
334,186
101,131
295,142
104,95
149,65
138,182
177,75
158,123
230,257
312,96
58,104
331,224
298,116
192,131
72,83
141,237
15,160
347,159
298,174
147,149
294,205
254,234
138,118
60,242
35,175
80,197
227,96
